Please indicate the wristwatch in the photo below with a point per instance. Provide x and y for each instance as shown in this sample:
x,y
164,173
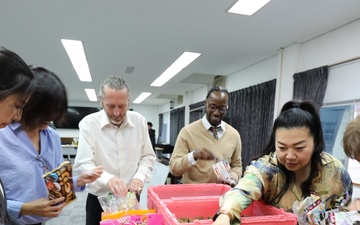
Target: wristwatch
x,y
221,211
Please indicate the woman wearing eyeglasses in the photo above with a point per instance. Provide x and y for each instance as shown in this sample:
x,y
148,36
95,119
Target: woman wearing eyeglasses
x,y
32,148
202,143
15,88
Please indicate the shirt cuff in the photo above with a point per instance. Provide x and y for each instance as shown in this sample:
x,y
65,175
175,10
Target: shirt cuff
x,y
76,187
191,158
228,213
104,178
14,208
140,177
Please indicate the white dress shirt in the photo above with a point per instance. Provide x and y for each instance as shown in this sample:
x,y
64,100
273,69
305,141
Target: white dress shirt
x,y
125,152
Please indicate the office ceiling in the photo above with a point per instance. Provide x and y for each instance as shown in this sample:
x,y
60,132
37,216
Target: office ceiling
x,y
149,35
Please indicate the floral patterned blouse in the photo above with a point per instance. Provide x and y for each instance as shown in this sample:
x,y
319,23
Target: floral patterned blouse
x,y
263,180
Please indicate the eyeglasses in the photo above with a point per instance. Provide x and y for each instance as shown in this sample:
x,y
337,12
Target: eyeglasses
x,y
40,161
222,109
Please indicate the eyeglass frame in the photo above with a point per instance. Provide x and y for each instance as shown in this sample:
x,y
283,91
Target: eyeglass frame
x,y
222,109
43,164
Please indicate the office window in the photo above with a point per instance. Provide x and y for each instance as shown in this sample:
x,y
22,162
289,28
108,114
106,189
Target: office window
x,y
334,121
353,165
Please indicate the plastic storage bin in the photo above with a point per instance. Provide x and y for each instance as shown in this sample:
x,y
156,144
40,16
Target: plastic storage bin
x,y
259,214
182,192
201,213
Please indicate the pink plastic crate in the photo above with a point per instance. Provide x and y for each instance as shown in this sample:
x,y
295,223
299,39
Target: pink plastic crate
x,y
259,214
202,212
182,192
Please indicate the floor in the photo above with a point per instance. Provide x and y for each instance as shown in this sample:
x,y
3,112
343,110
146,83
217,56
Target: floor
x,y
72,214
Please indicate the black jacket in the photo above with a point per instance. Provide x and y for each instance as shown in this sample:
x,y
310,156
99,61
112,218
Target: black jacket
x,y
152,137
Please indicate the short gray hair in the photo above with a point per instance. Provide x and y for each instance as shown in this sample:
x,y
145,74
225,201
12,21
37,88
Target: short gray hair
x,y
113,82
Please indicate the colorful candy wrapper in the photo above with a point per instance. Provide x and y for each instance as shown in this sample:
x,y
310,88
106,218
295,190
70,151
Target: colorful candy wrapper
x,y
112,203
222,171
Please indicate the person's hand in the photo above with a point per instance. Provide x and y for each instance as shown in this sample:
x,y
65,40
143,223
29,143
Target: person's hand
x,y
232,183
136,185
204,154
43,207
89,176
222,219
354,204
118,186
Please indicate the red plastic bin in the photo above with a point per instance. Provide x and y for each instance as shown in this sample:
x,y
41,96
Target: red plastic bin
x,y
201,213
165,193
260,214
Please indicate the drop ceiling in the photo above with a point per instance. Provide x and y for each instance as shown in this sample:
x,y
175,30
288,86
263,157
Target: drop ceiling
x,y
139,39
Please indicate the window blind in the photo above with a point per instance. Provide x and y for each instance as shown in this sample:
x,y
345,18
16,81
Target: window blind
x,y
343,83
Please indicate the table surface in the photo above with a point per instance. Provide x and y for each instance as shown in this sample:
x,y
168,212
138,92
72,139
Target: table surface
x,y
69,146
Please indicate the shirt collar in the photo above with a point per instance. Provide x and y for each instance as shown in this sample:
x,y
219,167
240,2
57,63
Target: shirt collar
x,y
208,125
14,125
273,158
106,122
104,119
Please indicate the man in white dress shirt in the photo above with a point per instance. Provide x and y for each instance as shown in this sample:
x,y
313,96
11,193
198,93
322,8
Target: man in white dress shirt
x,y
118,140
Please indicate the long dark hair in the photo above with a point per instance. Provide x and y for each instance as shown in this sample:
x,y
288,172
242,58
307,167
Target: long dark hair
x,y
298,114
15,75
49,100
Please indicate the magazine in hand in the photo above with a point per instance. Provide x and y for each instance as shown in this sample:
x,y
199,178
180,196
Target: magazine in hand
x,y
59,182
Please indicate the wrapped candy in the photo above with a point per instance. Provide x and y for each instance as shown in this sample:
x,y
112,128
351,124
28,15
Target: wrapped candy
x,y
312,211
222,171
112,203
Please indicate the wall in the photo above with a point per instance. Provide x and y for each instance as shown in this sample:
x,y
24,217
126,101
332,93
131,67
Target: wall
x,y
149,112
287,66
260,72
84,104
199,94
333,47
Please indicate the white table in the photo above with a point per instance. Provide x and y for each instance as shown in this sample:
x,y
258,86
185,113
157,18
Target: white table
x,y
69,151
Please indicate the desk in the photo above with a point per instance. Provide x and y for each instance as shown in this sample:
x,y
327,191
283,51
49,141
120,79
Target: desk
x,y
167,148
159,151
69,151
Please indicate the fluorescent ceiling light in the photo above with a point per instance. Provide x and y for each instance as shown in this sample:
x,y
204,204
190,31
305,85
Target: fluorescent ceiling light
x,y
184,60
91,94
76,53
141,97
247,7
